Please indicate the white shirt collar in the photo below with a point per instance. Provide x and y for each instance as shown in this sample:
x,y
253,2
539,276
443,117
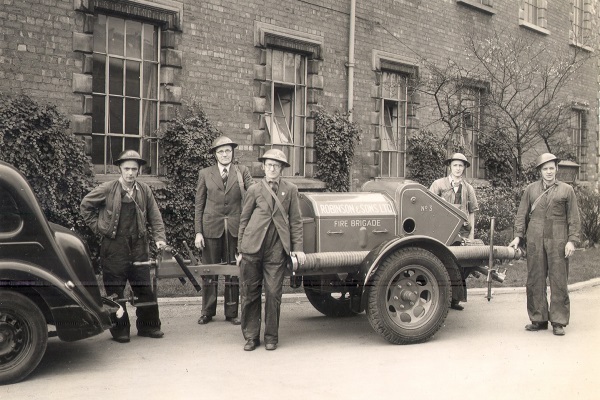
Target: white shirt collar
x,y
221,167
125,187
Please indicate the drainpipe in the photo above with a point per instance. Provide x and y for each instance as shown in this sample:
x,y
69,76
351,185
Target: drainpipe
x,y
350,63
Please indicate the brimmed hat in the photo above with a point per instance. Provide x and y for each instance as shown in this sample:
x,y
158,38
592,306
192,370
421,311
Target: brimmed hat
x,y
458,157
275,154
222,141
544,158
130,155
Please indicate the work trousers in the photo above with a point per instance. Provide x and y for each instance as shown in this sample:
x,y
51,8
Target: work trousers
x,y
546,259
118,256
268,266
215,252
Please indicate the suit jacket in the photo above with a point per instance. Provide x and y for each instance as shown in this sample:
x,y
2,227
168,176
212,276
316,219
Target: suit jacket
x,y
259,211
214,202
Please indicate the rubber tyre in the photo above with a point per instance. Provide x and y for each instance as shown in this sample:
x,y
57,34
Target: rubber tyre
x,y
336,304
23,334
409,296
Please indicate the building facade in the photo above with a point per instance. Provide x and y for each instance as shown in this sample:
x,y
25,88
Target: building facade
x,y
260,69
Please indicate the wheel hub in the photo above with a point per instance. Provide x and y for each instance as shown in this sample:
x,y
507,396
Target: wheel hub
x,y
411,297
11,339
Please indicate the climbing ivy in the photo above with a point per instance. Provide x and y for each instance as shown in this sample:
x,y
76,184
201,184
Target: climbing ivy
x,y
335,142
185,143
36,139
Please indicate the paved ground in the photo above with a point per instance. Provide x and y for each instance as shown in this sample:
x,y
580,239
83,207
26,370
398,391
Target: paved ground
x,y
482,353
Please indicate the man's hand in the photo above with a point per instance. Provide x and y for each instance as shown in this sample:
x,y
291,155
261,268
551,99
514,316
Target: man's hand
x,y
199,242
569,249
238,259
160,244
300,256
515,243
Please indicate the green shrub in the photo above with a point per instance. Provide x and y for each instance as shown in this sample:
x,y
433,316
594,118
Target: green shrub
x,y
495,148
335,141
589,212
498,202
36,139
426,159
186,149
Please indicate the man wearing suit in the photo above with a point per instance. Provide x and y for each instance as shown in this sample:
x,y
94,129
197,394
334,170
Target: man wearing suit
x,y
219,195
270,231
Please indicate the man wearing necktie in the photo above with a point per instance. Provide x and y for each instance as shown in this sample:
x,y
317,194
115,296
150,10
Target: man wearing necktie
x,y
219,195
455,190
270,232
548,217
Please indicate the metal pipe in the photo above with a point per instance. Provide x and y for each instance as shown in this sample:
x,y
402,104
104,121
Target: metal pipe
x,y
334,262
351,58
467,253
490,261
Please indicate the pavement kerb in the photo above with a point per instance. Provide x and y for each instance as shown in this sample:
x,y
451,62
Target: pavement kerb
x,y
301,297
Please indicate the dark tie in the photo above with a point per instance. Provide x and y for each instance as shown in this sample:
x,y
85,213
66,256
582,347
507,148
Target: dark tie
x,y
274,188
458,193
224,176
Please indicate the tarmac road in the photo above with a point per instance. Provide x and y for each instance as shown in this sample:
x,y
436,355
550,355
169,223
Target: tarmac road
x,y
481,353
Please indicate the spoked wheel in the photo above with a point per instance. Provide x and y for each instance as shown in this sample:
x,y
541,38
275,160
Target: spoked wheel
x,y
23,336
328,296
409,297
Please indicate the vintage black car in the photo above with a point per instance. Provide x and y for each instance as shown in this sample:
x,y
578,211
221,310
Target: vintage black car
x,y
47,282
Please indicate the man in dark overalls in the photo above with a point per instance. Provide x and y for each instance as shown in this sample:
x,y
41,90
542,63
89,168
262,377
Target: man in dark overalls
x,y
120,211
548,218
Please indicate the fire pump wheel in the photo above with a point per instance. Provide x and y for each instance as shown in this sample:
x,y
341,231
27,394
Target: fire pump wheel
x,y
409,296
327,297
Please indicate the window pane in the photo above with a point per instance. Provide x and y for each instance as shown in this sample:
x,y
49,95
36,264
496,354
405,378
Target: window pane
x,y
298,162
115,76
150,81
299,102
149,150
289,67
100,34
299,131
150,43
149,111
99,73
116,115
115,147
134,39
277,65
132,116
385,164
282,110
132,144
299,69
98,113
132,79
98,149
388,135
116,27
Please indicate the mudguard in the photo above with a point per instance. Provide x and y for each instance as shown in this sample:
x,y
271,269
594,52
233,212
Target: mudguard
x,y
57,299
373,260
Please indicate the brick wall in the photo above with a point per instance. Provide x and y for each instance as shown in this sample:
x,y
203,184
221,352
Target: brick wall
x,y
218,54
36,50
